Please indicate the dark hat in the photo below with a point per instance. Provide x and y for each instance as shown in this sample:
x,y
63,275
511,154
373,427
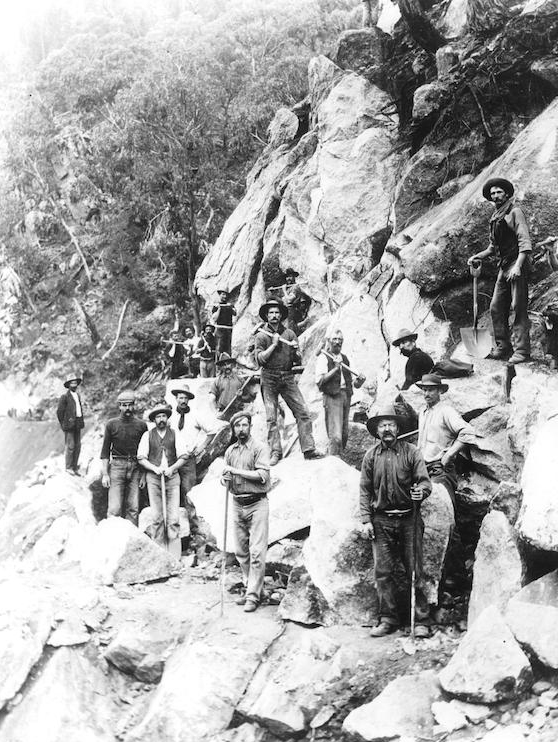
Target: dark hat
x,y
291,272
430,381
238,416
74,377
273,303
402,335
180,387
385,412
502,183
162,408
128,395
225,358
221,290
208,324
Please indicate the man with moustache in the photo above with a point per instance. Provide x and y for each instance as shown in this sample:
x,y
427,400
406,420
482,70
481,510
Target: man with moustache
x,y
247,473
119,461
227,385
336,386
393,476
418,362
70,417
206,351
511,245
276,351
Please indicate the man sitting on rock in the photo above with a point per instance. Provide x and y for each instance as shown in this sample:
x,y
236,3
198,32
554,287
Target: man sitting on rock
x,y
393,476
120,445
276,351
336,386
418,362
247,473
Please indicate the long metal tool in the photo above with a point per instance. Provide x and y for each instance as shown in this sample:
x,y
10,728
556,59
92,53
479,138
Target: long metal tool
x,y
478,343
224,559
164,507
292,343
343,365
238,395
414,570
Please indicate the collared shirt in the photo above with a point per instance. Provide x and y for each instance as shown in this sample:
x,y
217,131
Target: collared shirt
x,y
122,436
75,395
251,455
322,368
386,477
284,357
143,446
192,439
225,389
439,426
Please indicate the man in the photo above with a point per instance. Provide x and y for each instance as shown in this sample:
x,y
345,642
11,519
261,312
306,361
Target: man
x,y
177,354
510,243
227,389
418,362
120,445
393,478
206,350
247,473
297,303
276,351
159,454
190,347
442,433
222,315
70,417
336,386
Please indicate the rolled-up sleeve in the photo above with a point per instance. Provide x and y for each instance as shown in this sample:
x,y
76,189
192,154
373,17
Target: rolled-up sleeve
x,y
521,231
261,464
463,431
366,488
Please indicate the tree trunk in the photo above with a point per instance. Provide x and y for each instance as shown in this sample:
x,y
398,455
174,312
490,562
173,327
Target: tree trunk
x,y
420,27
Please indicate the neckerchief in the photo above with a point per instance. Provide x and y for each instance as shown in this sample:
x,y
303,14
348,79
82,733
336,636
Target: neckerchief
x,y
502,210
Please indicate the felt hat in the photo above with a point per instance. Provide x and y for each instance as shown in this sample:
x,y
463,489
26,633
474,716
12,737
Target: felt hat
x,y
72,377
291,272
430,381
225,358
162,408
273,303
180,387
386,412
208,324
221,290
502,183
126,396
402,335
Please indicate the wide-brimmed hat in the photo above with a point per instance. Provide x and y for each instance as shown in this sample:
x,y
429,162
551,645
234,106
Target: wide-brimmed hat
x,y
181,387
128,395
291,272
73,377
208,324
225,358
383,413
273,303
502,183
221,290
430,381
159,409
402,335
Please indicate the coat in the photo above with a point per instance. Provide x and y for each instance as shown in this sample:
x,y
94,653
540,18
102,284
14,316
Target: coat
x,y
66,413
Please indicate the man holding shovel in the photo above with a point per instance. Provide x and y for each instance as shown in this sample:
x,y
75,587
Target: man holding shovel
x,y
510,243
393,483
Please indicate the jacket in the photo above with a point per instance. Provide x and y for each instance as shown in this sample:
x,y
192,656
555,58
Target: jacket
x,y
66,413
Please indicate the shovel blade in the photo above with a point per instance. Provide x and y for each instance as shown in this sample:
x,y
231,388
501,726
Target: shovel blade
x,y
478,343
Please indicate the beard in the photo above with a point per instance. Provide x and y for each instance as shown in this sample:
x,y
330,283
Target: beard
x,y
405,352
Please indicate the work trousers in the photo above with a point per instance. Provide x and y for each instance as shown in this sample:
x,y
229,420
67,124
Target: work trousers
x,y
72,448
514,296
394,540
172,489
251,528
444,475
123,495
275,383
207,368
223,340
336,408
188,475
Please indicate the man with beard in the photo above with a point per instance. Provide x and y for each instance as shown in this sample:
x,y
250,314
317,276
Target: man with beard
x,y
276,351
70,417
297,302
336,386
247,473
393,476
120,446
227,387
510,243
160,455
206,350
418,362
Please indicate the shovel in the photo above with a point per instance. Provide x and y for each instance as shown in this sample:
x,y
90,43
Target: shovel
x,y
478,343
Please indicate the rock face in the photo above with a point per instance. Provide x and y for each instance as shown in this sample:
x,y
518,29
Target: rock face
x,y
498,571
141,654
403,709
532,615
439,520
489,664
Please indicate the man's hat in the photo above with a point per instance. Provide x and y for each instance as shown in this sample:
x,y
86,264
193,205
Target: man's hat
x,y
402,335
502,183
386,412
221,290
225,358
275,304
162,408
430,381
291,272
74,377
238,416
126,396
208,324
180,387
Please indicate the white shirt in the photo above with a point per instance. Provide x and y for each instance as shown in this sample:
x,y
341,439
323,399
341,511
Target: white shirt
x,y
439,426
75,395
322,369
192,439
143,447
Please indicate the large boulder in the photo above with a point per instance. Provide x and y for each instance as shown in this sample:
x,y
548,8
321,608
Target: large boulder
x,y
489,665
498,571
439,521
303,602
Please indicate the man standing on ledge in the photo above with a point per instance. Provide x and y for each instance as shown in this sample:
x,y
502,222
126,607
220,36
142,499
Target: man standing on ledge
x,y
510,243
120,445
247,472
276,351
393,476
70,417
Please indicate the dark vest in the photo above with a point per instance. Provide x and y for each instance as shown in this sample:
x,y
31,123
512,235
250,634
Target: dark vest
x,y
505,243
157,445
333,386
